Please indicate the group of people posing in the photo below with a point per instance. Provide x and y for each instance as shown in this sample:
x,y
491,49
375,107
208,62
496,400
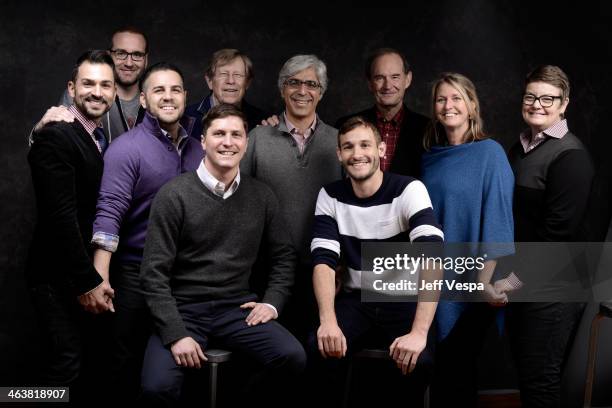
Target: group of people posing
x,y
164,229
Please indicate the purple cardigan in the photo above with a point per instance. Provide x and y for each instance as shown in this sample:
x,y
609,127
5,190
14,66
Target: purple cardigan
x,y
136,165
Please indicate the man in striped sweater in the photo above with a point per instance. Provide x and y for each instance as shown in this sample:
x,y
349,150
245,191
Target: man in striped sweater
x,y
374,206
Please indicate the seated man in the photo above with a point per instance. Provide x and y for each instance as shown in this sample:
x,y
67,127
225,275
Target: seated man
x,y
350,212
203,237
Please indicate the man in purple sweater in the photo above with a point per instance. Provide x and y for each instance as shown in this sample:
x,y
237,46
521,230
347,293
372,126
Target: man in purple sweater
x,y
135,168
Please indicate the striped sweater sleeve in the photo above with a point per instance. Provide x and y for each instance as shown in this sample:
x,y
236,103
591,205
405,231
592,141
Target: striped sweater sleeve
x,y
325,246
417,209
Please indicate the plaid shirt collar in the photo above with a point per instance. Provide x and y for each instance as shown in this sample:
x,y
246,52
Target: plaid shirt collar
x,y
292,129
89,125
395,120
557,131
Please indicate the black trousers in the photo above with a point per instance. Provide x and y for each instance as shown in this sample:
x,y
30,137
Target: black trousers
x,y
278,353
74,342
455,381
370,324
541,336
131,327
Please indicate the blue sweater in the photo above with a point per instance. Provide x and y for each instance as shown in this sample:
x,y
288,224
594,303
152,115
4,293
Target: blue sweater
x,y
471,187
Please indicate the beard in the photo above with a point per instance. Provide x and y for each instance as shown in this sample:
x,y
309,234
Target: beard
x,y
362,177
125,83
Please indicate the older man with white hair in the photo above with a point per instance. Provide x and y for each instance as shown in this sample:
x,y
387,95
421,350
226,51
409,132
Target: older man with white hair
x,y
296,158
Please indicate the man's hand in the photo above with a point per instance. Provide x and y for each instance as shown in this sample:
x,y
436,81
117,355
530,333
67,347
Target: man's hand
x,y
331,340
98,300
271,121
405,350
187,353
54,114
261,313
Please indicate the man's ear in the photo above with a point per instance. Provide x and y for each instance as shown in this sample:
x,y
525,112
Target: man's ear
x,y
408,79
143,101
382,149
71,89
208,82
338,154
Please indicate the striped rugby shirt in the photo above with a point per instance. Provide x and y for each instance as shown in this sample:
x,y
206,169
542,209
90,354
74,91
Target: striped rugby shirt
x,y
400,211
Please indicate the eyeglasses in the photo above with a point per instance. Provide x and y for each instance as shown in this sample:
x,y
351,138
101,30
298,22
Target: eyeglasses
x,y
123,54
296,83
226,75
546,101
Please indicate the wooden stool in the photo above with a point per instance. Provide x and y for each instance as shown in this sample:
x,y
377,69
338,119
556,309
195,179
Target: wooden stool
x,y
605,310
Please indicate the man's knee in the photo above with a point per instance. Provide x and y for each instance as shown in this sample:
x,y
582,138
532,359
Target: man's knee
x,y
291,357
158,388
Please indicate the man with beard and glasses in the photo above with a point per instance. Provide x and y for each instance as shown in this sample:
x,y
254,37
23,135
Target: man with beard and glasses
x,y
296,158
67,290
135,167
389,77
228,77
370,205
129,50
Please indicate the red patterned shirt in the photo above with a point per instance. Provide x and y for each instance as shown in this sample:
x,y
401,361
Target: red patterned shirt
x,y
389,131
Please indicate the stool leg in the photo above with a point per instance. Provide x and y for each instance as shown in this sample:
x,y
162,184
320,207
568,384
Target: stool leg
x,y
347,385
426,398
593,339
213,385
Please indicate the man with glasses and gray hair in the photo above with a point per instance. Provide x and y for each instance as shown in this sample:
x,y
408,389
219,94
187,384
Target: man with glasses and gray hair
x,y
228,76
296,158
129,50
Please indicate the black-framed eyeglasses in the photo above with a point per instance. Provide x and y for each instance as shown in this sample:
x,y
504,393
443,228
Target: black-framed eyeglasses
x,y
546,101
296,83
123,54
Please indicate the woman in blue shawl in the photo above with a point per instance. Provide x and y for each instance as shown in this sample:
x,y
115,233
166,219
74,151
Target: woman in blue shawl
x,y
470,183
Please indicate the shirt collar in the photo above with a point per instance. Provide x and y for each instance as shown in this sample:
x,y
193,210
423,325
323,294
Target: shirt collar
x,y
215,186
395,120
89,125
181,135
557,131
292,128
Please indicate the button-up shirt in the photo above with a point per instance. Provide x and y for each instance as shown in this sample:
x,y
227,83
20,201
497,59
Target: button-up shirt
x,y
557,131
215,186
299,137
389,132
89,125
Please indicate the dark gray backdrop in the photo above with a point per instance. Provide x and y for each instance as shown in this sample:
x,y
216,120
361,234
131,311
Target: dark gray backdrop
x,y
493,43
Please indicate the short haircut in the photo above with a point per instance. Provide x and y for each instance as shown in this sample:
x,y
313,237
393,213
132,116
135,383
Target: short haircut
x,y
355,122
553,75
160,66
131,30
93,57
379,53
225,56
299,63
221,111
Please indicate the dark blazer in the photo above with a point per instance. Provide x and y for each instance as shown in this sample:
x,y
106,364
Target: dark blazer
x,y
409,149
66,171
198,110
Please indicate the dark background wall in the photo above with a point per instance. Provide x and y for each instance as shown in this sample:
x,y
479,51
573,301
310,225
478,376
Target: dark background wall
x,y
493,43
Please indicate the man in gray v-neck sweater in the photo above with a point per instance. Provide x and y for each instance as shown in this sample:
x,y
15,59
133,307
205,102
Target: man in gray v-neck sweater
x,y
204,234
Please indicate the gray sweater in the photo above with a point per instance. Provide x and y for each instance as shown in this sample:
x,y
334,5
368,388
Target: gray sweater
x,y
201,247
273,157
